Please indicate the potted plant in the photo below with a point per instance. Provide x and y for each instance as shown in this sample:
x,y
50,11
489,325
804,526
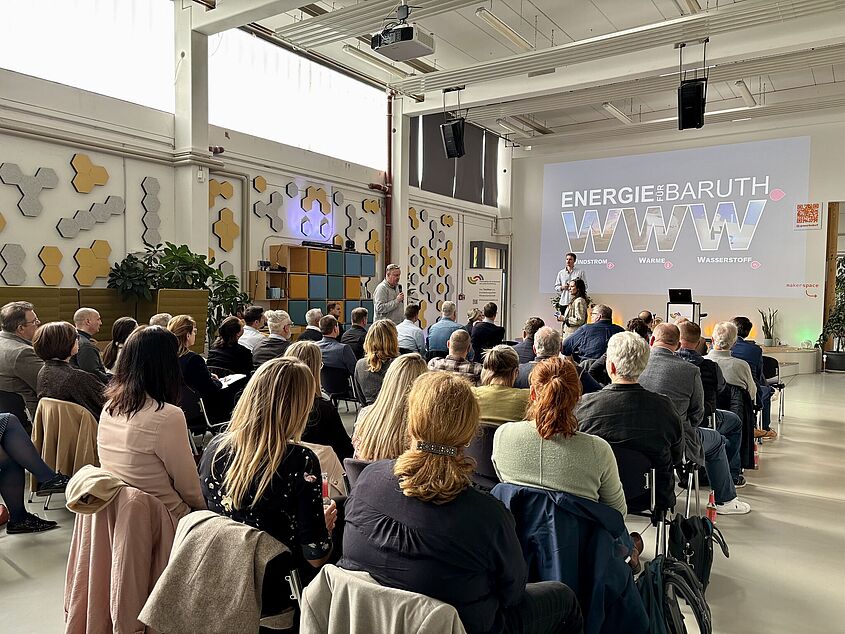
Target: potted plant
x,y
768,325
834,325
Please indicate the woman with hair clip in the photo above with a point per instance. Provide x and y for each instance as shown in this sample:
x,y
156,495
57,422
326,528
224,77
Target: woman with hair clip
x,y
575,314
416,524
120,331
381,432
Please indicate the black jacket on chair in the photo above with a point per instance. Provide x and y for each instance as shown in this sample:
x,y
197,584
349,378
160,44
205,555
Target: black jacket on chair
x,y
525,350
354,338
485,335
236,359
736,399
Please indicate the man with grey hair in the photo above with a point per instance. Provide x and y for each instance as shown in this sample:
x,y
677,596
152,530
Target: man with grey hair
x,y
312,330
355,335
160,319
590,340
388,298
19,365
627,415
736,371
547,346
278,323
88,323
439,333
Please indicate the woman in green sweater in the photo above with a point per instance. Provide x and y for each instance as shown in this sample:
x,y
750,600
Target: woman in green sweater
x,y
546,451
498,400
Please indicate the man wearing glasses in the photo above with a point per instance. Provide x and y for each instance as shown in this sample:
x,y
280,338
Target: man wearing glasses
x,y
19,365
590,340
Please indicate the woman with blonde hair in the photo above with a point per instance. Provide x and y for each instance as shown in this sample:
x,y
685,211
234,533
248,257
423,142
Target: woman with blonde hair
x,y
382,429
499,400
324,426
381,347
415,523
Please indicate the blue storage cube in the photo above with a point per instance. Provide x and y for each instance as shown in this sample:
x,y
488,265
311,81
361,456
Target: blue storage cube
x,y
317,304
334,262
353,264
317,287
335,287
371,311
297,310
368,265
350,306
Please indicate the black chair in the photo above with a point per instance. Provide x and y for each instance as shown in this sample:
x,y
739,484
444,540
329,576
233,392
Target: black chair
x,y
436,354
639,483
359,393
353,468
406,351
771,372
481,449
13,403
337,383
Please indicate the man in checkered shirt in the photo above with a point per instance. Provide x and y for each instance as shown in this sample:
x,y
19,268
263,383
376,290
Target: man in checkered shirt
x,y
459,344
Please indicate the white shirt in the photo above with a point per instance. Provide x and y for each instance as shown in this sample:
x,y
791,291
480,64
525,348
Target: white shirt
x,y
411,337
250,338
562,283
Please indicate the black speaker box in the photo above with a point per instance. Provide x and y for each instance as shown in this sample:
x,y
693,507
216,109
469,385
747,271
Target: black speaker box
x,y
692,98
453,137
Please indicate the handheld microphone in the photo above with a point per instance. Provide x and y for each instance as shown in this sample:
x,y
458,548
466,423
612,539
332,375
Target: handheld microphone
x,y
400,288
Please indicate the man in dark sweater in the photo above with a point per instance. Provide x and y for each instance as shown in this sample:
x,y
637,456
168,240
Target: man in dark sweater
x,y
486,334
355,335
627,415
525,348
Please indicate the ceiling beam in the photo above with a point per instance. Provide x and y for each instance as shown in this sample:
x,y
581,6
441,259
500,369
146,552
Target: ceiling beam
x,y
231,14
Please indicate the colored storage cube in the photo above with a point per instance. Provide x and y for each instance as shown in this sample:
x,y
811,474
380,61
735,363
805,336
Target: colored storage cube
x,y
297,310
371,309
336,290
350,306
317,287
298,259
368,265
353,287
317,261
353,264
334,262
298,286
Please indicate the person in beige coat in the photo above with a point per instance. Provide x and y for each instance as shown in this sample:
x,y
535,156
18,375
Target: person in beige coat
x,y
142,436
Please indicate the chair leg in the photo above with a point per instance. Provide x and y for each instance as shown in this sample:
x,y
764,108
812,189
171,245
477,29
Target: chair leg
x,y
295,584
47,502
697,495
689,493
31,495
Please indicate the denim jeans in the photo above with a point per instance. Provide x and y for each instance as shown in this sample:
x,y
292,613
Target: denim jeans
x,y
716,464
547,607
764,393
730,426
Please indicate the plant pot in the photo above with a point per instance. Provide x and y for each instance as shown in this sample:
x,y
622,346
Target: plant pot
x,y
835,361
767,343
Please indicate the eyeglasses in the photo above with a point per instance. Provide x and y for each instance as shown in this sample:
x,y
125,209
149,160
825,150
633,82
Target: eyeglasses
x,y
35,321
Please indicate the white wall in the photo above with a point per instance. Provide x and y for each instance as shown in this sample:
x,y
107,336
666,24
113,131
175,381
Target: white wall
x,y
799,319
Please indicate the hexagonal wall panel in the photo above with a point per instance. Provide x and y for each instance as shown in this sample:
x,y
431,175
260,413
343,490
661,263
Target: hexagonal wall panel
x,y
292,190
2,222
13,255
337,198
226,229
259,183
318,195
50,273
68,228
227,268
219,188
92,262
88,175
271,211
373,243
85,219
29,186
371,205
151,204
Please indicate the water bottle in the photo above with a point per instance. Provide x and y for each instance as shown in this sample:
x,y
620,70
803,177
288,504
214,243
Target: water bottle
x,y
756,456
711,508
326,499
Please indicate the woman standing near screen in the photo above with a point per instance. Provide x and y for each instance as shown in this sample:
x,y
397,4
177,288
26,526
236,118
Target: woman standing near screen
x,y
575,314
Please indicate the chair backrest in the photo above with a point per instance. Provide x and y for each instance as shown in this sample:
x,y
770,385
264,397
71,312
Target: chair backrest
x,y
436,354
353,468
481,449
191,404
771,368
636,474
335,381
13,403
406,351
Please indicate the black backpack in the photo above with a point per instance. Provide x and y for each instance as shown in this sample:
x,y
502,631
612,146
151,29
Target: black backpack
x,y
691,541
663,582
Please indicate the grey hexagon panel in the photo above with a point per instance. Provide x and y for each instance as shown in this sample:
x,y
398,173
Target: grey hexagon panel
x,y
13,256
152,205
337,198
68,228
85,219
292,190
227,268
271,211
30,187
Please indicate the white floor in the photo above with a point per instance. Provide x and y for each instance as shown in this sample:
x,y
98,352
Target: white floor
x,y
786,572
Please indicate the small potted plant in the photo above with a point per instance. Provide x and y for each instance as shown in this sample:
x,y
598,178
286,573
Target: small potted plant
x,y
834,325
768,325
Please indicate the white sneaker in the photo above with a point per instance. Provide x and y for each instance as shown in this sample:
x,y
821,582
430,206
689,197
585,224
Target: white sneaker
x,y
734,507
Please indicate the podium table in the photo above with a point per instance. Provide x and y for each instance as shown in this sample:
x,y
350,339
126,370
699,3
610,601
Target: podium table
x,y
690,310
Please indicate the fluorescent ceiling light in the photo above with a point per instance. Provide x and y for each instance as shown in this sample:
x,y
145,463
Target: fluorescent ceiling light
x,y
616,112
745,93
507,125
504,29
374,61
743,119
530,123
689,70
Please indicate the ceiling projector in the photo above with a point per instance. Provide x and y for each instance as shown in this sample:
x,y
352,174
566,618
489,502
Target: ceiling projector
x,y
402,42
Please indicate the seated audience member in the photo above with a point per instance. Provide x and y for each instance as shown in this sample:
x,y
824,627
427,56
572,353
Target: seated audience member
x,y
416,524
668,374
598,369
712,381
627,415
545,450
525,348
474,315
590,340
19,365
381,430
142,436
160,319
547,346
356,333
381,347
280,493
226,353
17,453
498,400
312,329
456,361
335,354
439,333
88,323
278,323
253,322
486,334
56,343
120,331
411,337
575,314
648,320
195,372
324,426
753,354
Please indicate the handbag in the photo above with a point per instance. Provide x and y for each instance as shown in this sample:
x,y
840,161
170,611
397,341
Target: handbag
x,y
691,541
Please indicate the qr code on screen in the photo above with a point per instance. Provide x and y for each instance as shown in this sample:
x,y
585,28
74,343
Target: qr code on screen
x,y
807,215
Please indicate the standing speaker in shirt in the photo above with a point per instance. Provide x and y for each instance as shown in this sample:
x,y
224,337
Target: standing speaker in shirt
x,y
564,276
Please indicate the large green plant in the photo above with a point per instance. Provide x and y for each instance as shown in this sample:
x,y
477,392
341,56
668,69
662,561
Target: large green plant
x,y
768,325
134,278
834,325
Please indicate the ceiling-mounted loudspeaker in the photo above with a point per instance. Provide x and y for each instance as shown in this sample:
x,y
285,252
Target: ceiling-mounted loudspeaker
x,y
692,99
453,137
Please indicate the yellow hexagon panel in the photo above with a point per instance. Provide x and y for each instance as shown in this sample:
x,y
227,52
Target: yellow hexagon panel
x,y
446,220
316,194
445,254
371,205
219,188
92,262
441,288
88,175
50,273
260,184
423,320
441,270
337,240
101,248
373,243
414,217
226,229
2,222
428,261
50,256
